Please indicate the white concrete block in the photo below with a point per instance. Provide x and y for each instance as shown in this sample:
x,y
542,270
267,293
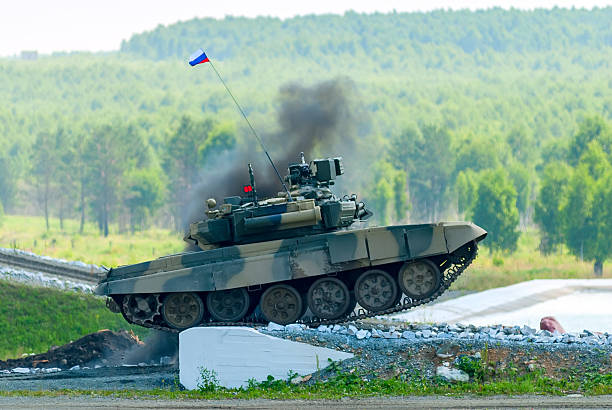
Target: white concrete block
x,y
238,354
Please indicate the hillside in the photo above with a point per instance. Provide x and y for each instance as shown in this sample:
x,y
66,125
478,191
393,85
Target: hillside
x,y
32,319
458,91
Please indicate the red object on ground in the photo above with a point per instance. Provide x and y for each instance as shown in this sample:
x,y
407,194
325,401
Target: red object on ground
x,y
551,324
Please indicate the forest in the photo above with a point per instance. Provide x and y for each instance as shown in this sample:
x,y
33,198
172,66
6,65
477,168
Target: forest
x,y
498,116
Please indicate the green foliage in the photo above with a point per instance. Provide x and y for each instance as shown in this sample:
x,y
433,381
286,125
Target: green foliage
x,y
208,381
424,154
548,215
66,316
466,186
388,197
496,210
586,212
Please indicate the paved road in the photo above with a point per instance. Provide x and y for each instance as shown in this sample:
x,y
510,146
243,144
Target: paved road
x,y
497,402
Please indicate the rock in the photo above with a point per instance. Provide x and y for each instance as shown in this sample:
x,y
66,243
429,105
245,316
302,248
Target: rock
x,y
408,334
427,333
418,334
362,334
451,374
294,327
352,330
447,350
551,324
376,333
300,379
526,330
610,340
275,327
21,370
391,329
324,329
477,355
338,329
77,367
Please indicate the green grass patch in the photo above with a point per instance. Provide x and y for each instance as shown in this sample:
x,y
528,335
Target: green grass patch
x,y
29,233
355,386
32,319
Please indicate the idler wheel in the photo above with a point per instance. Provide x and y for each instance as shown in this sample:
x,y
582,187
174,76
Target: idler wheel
x,y
182,310
140,307
328,298
376,290
228,305
419,279
281,304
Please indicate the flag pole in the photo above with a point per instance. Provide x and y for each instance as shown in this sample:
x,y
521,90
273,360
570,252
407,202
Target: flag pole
x,y
252,129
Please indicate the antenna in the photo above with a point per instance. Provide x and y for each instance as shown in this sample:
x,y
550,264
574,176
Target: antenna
x,y
200,57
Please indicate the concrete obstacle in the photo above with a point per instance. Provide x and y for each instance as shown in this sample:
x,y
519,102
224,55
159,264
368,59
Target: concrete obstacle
x,y
237,354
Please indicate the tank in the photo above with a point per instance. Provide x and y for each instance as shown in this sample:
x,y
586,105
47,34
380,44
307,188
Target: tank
x,y
304,255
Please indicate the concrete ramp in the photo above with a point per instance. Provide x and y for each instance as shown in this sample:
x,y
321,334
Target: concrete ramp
x,y
237,354
576,303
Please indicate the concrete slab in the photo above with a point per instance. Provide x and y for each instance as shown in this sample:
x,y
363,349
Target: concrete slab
x,y
238,354
576,303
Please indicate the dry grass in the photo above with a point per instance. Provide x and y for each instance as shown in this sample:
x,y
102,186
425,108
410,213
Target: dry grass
x,y
498,269
29,233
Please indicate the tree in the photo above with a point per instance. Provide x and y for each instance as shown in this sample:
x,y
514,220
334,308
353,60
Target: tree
x,y
388,198
110,152
45,163
585,211
548,215
425,155
495,210
590,129
186,150
466,186
143,195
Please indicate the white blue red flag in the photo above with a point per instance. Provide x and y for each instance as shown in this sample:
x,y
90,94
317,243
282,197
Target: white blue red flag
x,y
198,57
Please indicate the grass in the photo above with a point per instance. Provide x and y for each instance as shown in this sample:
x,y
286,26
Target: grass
x,y
32,319
492,270
29,233
355,386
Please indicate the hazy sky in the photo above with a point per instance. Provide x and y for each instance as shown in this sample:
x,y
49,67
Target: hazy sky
x,y
95,25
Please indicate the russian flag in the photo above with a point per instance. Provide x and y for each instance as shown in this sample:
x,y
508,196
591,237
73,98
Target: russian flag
x,y
198,57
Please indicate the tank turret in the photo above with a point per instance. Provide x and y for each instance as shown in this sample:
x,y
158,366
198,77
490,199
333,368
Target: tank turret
x,y
309,207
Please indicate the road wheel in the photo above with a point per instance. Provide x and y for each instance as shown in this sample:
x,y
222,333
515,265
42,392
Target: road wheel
x,y
228,305
419,279
182,310
328,298
140,308
281,304
376,290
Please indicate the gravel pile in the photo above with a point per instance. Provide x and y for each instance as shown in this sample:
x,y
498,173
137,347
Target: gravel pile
x,y
41,279
438,350
443,331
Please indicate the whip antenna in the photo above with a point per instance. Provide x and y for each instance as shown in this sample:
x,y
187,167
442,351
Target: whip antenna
x,y
200,57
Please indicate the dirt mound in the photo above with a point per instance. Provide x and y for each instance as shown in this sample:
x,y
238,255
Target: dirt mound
x,y
102,347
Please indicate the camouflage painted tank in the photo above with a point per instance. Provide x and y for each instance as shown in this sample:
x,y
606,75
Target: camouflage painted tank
x,y
305,255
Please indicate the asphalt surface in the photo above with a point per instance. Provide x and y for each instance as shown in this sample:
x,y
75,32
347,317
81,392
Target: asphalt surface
x,y
104,378
495,402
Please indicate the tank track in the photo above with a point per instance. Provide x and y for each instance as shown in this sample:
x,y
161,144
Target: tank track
x,y
460,260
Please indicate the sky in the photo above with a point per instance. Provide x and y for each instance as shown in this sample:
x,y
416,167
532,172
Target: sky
x,y
87,25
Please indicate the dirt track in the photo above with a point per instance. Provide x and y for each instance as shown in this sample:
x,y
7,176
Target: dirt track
x,y
370,403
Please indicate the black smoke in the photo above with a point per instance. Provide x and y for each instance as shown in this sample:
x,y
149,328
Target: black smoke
x,y
317,120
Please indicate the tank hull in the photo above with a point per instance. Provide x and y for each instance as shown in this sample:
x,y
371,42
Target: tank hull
x,y
264,263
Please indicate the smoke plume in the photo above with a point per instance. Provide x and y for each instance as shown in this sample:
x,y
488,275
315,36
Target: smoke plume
x,y
314,120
